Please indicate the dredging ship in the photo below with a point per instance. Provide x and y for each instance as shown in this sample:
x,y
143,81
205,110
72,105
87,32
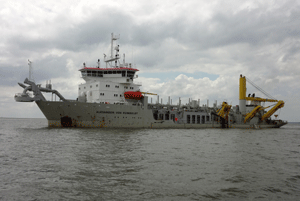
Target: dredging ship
x,y
110,98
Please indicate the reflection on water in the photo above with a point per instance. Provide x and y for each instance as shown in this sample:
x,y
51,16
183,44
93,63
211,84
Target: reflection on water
x,y
40,163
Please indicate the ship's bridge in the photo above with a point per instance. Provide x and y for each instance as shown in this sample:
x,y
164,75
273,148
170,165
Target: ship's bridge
x,y
121,72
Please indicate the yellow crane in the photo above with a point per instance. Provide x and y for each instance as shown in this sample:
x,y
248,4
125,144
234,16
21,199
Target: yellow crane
x,y
224,111
243,100
279,105
251,114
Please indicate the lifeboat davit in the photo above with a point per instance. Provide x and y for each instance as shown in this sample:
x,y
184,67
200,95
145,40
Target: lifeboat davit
x,y
136,95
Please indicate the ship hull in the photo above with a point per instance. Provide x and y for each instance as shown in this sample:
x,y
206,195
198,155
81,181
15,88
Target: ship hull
x,y
95,115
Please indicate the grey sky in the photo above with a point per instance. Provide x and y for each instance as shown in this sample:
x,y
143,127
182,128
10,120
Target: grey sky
x,y
225,38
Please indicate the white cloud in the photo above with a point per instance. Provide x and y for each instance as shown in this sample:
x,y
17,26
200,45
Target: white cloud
x,y
254,38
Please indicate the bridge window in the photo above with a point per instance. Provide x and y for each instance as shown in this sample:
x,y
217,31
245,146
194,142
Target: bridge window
x,y
130,74
83,73
100,74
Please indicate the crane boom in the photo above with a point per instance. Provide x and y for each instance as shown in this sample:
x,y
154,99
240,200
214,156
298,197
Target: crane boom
x,y
279,105
260,99
224,110
251,114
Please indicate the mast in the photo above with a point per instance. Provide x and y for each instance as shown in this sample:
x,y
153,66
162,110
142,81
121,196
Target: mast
x,y
112,57
30,70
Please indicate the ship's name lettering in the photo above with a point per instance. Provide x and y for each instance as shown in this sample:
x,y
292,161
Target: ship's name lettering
x,y
112,112
108,112
129,112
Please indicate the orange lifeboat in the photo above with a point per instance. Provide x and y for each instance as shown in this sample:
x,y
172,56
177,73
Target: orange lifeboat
x,y
136,95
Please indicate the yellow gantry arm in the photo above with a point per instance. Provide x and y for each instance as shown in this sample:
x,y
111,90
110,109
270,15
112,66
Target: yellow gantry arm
x,y
251,114
280,104
260,99
225,110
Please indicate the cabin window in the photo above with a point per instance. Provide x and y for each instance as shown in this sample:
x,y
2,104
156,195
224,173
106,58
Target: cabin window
x,y
96,85
188,119
193,119
116,86
91,86
125,87
203,119
118,72
207,118
115,95
101,94
120,95
131,87
105,72
109,72
123,73
114,72
107,85
198,119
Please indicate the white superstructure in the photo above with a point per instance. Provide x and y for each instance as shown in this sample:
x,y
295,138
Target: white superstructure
x,y
107,85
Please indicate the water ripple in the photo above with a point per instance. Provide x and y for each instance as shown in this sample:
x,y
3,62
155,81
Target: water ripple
x,y
41,163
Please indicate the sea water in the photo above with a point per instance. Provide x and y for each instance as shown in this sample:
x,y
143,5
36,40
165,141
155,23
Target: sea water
x,y
41,163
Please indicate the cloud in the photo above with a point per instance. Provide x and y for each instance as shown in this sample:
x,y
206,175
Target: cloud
x,y
224,39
